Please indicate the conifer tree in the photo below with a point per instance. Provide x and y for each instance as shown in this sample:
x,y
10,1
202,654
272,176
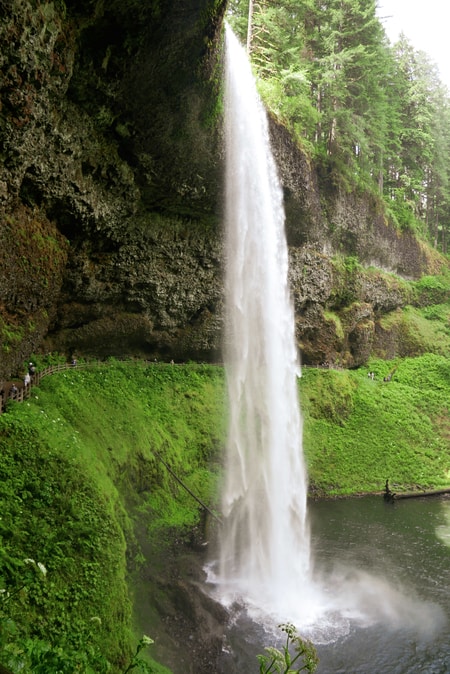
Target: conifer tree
x,y
370,113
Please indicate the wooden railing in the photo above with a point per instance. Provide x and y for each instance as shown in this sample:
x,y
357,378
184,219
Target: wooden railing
x,y
20,392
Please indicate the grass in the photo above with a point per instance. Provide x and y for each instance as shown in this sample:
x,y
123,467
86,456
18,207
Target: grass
x,y
359,432
78,459
80,471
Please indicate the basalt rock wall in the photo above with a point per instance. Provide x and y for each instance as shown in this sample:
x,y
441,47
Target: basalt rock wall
x,y
348,263
324,217
109,178
111,194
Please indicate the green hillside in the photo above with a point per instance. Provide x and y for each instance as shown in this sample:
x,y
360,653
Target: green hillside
x,y
81,469
359,432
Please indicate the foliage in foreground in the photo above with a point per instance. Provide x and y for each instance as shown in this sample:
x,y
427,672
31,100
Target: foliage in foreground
x,y
302,659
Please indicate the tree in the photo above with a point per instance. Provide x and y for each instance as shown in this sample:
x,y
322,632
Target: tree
x,y
350,69
418,171
370,113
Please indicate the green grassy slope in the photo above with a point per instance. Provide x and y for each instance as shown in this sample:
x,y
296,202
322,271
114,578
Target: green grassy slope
x,y
359,432
79,467
77,463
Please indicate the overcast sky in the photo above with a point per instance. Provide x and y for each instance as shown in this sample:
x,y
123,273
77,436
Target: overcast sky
x,y
426,24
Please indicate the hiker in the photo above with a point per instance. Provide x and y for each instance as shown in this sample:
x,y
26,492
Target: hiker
x,y
27,380
31,370
13,391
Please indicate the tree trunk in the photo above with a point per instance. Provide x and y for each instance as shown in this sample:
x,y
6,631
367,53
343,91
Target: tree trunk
x,y
250,26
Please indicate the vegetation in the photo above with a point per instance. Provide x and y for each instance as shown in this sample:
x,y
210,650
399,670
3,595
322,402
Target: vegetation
x,y
80,467
374,115
359,432
77,464
276,661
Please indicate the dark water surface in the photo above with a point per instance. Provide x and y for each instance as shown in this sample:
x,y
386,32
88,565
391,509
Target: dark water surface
x,y
387,565
407,543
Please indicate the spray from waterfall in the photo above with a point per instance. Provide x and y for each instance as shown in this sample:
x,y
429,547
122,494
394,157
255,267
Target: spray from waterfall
x,y
264,546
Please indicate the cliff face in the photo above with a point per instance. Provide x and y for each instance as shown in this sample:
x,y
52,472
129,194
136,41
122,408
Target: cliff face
x,y
332,221
110,194
347,264
110,173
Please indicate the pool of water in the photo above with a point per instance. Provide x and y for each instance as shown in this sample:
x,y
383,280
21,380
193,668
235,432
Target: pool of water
x,y
384,570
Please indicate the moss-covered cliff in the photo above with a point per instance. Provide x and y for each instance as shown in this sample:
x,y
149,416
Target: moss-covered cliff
x,y
111,195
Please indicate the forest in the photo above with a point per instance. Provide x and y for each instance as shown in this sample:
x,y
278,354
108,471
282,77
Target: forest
x,y
372,115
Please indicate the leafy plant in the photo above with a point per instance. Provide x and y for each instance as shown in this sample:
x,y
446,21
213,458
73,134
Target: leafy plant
x,y
137,662
86,439
297,655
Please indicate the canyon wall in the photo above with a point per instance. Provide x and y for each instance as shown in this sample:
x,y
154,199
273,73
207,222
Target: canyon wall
x,y
111,196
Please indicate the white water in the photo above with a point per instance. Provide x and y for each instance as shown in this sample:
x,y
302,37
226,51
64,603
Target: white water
x,y
264,546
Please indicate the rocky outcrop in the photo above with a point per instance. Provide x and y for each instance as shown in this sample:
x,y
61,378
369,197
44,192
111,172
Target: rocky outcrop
x,y
347,264
110,137
111,195
330,220
157,295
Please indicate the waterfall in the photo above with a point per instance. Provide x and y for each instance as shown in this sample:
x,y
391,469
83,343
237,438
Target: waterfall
x,y
264,548
263,566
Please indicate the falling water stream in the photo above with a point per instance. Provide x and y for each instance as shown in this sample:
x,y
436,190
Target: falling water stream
x,y
264,560
264,499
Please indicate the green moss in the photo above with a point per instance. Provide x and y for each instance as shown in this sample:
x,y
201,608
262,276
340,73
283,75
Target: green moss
x,y
329,398
346,281
432,289
331,317
10,335
81,466
420,331
78,459
368,431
